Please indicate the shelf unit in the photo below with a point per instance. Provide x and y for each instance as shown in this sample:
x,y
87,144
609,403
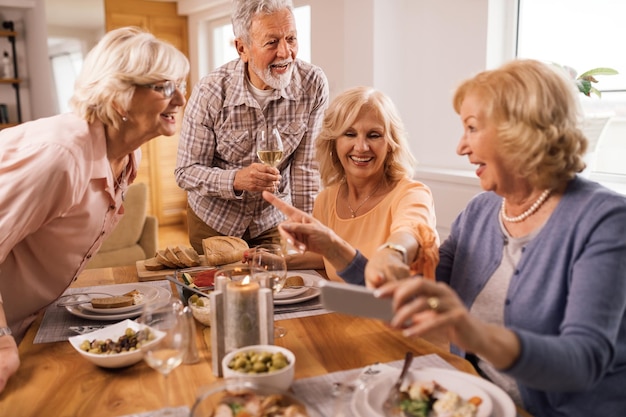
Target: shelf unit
x,y
8,31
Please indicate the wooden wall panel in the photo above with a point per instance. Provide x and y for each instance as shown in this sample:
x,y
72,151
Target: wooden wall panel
x,y
166,200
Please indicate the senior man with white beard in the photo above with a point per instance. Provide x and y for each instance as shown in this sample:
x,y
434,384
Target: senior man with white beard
x,y
267,87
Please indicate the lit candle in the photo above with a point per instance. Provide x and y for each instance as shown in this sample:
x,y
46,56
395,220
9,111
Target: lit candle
x,y
241,321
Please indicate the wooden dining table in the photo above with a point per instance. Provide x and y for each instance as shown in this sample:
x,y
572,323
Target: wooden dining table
x,y
55,381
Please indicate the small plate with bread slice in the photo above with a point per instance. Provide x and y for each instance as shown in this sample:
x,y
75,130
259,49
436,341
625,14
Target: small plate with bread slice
x,y
299,286
126,297
163,295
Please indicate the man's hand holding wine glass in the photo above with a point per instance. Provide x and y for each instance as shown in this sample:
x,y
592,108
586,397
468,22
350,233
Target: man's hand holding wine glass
x,y
257,177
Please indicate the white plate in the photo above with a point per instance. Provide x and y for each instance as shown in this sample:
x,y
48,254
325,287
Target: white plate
x,y
503,405
309,294
367,402
163,296
113,332
149,293
309,279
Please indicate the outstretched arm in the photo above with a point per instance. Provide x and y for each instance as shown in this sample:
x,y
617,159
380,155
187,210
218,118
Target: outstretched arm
x,y
306,233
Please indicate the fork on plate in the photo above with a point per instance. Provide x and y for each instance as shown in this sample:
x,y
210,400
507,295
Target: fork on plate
x,y
391,406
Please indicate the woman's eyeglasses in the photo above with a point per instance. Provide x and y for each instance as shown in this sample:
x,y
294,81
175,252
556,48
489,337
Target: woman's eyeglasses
x,y
167,88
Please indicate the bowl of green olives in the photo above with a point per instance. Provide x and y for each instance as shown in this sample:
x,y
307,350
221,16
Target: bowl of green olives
x,y
269,365
200,308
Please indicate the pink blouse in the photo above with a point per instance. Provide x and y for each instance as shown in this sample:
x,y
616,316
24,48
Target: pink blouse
x,y
57,204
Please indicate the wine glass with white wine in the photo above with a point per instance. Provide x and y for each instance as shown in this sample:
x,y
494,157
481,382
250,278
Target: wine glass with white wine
x,y
167,353
269,147
268,266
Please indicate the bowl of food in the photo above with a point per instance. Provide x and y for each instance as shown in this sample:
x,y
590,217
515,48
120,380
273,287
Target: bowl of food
x,y
267,365
200,278
200,308
115,346
235,397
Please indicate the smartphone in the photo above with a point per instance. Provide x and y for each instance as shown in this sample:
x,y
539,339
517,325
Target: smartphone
x,y
355,300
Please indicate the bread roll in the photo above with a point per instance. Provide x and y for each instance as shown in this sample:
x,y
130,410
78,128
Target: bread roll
x,y
294,281
221,250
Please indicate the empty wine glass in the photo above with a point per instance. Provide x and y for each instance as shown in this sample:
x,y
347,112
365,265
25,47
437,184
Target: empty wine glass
x,y
269,148
168,352
269,267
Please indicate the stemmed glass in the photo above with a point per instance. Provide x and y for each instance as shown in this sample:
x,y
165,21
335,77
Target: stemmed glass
x,y
269,148
268,266
169,352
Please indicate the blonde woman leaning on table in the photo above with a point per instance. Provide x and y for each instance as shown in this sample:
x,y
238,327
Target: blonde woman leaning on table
x,y
370,204
532,280
63,178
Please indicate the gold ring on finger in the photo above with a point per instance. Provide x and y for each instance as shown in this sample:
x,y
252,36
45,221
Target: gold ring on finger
x,y
433,303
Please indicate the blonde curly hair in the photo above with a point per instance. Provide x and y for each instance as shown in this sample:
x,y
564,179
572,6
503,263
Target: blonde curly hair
x,y
342,113
537,115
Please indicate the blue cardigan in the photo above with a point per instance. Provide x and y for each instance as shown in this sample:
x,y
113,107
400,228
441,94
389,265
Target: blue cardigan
x,y
566,301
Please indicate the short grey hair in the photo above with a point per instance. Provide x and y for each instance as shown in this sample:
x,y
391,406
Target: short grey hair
x,y
245,10
123,59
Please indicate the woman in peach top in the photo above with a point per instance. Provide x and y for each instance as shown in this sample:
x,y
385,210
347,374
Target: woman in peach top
x,y
370,204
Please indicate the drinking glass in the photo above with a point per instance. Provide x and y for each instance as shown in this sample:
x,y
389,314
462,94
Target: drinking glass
x,y
269,148
169,352
269,267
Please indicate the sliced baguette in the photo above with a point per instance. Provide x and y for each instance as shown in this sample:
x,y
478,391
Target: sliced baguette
x,y
153,264
163,259
113,302
173,258
188,256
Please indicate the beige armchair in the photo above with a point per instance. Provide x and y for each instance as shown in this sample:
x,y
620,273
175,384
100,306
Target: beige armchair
x,y
134,238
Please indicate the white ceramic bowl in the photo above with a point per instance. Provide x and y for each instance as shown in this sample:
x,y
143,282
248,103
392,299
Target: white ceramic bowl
x,y
280,380
201,313
113,332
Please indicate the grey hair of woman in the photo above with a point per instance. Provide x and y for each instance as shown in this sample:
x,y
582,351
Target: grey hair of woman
x,y
123,59
245,10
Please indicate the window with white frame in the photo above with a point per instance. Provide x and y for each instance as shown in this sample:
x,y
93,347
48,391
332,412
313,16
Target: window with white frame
x,y
66,59
584,34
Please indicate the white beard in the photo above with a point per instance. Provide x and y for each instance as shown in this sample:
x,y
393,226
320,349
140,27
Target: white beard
x,y
276,82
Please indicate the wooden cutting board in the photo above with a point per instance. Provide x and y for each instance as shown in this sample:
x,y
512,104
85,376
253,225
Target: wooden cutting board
x,y
145,275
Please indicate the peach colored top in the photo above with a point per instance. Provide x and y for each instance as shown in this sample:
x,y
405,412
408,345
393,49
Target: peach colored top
x,y
407,205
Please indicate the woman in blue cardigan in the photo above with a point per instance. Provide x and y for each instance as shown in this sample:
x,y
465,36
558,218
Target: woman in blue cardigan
x,y
531,283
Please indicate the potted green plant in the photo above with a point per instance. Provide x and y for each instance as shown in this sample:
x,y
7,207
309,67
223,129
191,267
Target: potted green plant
x,y
584,81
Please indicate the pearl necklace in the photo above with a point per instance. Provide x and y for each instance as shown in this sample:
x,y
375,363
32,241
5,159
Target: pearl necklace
x,y
531,210
362,202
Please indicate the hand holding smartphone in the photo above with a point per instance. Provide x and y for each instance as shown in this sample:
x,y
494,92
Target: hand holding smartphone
x,y
355,300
